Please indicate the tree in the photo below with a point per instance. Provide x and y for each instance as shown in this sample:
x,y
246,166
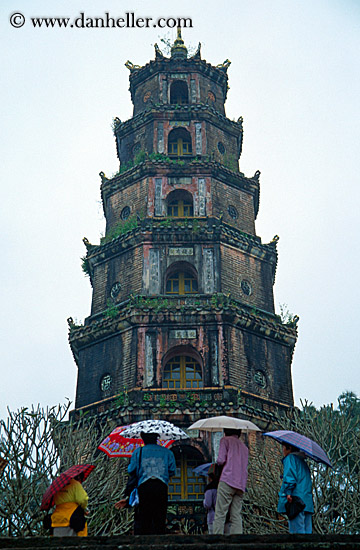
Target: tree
x,y
336,491
38,444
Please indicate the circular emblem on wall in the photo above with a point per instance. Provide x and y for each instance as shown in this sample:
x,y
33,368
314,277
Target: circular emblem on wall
x,y
105,383
260,378
211,96
221,147
115,289
125,213
246,287
233,212
147,96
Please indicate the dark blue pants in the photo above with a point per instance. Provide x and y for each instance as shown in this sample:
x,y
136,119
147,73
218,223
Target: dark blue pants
x,y
151,516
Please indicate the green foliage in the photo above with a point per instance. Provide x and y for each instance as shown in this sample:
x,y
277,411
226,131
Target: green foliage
x,y
152,302
111,310
120,229
85,265
286,317
231,162
159,156
166,223
139,157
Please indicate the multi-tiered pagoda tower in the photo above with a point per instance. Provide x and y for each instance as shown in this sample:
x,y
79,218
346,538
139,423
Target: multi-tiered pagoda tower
x,y
182,322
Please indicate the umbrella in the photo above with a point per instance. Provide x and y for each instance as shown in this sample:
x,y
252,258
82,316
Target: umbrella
x,y
115,445
202,470
218,423
61,481
308,446
165,429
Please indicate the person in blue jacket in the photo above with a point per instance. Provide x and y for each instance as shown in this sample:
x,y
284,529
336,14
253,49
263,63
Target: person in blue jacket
x,y
296,482
154,465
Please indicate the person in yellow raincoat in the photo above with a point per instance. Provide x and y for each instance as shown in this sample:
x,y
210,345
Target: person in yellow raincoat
x,y
68,517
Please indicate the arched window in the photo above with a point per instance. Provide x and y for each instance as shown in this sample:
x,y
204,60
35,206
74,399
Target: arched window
x,y
179,143
181,282
180,208
182,372
185,484
180,204
179,93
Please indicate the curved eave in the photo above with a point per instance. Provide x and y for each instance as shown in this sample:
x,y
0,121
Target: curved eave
x,y
181,112
208,230
230,311
192,168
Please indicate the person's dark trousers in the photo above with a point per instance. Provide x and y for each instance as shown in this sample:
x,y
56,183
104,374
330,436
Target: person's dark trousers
x,y
152,507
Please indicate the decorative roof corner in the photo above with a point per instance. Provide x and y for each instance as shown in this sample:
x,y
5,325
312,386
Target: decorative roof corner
x,y
274,241
158,53
224,66
197,54
129,65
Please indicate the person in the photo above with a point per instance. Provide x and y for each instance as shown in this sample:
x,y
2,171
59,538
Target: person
x,y
296,482
209,503
68,518
154,469
233,455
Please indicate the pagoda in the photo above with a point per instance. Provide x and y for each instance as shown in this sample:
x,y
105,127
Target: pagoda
x,y
182,323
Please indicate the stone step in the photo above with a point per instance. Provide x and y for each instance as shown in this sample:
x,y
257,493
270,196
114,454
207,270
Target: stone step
x,y
187,542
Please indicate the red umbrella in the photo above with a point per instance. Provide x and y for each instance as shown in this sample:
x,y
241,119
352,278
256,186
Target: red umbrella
x,y
3,463
114,445
61,481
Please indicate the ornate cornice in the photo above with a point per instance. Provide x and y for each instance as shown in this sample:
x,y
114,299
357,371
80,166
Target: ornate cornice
x,y
191,111
197,310
183,231
185,407
193,167
165,65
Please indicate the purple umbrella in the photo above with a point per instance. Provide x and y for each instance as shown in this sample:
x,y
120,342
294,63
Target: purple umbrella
x,y
308,446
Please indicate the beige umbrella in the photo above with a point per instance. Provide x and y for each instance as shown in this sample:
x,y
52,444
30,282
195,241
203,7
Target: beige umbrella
x,y
219,423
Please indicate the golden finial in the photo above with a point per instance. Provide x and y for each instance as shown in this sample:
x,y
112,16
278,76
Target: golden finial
x,y
178,49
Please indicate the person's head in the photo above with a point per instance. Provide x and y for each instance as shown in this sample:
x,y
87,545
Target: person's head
x,y
230,431
213,480
149,438
287,449
80,477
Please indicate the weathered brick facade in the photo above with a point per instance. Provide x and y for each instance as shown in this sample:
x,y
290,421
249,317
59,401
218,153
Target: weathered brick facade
x,y
182,322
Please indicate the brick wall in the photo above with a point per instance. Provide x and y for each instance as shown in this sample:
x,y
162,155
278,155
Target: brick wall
x,y
126,269
250,354
115,356
237,266
133,196
215,135
224,196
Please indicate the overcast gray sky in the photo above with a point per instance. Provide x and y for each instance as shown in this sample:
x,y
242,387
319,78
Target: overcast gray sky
x,y
295,80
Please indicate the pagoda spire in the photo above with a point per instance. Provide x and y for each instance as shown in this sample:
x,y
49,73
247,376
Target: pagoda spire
x,y
178,49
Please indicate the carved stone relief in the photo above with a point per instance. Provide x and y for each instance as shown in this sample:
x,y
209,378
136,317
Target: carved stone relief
x,y
160,137
158,201
201,194
149,362
154,268
209,283
198,138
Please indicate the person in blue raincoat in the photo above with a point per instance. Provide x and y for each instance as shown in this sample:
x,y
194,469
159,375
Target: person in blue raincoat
x,y
296,482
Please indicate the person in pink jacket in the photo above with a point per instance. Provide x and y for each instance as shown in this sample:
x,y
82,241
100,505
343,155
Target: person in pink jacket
x,y
233,456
